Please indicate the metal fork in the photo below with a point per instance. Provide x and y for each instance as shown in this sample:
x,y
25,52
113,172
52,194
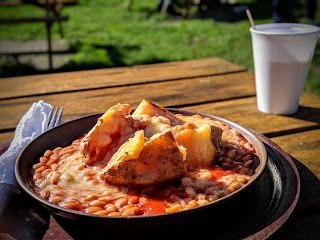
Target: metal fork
x,y
55,117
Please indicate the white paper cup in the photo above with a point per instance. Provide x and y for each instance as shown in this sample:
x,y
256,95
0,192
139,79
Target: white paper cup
x,y
282,54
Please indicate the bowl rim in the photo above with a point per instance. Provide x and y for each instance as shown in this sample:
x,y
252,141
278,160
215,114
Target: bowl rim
x,y
25,184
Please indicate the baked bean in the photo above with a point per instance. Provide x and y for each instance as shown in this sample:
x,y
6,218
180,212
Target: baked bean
x,y
38,182
81,167
67,177
63,158
71,205
192,204
46,172
244,170
132,211
43,159
106,198
230,189
134,199
226,165
66,151
54,176
47,153
37,165
90,197
88,172
58,192
115,214
248,163
103,212
54,156
202,202
242,179
55,199
94,181
227,160
56,150
125,207
97,203
247,145
173,208
230,146
44,193
241,152
236,185
41,169
93,209
36,176
111,207
231,153
55,166
119,203
44,183
63,167
50,162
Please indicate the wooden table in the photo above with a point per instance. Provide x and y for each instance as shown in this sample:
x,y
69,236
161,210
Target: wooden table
x,y
212,85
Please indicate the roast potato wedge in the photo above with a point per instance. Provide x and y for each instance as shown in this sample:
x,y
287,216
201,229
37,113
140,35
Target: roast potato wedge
x,y
153,109
202,144
160,160
112,129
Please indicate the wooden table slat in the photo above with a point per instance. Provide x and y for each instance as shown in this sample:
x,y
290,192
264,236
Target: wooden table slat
x,y
247,115
121,76
173,93
213,85
304,146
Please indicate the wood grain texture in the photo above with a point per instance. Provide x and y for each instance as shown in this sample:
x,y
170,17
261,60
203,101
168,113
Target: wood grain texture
x,y
122,76
304,146
5,137
172,93
214,86
244,111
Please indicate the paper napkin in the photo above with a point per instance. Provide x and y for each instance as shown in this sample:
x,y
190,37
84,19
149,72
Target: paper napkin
x,y
31,125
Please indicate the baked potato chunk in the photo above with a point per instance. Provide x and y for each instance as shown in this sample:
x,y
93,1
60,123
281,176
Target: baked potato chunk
x,y
202,144
153,109
112,129
159,161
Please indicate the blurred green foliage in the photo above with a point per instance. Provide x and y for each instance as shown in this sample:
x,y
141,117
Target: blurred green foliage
x,y
105,34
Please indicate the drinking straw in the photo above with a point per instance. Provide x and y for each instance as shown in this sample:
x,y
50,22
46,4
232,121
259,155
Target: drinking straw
x,y
250,18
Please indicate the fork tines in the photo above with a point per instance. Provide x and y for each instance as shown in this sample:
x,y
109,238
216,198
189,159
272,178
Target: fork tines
x,y
55,117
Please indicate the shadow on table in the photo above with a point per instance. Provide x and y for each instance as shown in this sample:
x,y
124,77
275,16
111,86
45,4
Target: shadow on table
x,y
303,115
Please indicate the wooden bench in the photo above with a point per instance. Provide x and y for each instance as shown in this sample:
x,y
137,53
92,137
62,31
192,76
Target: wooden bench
x,y
52,16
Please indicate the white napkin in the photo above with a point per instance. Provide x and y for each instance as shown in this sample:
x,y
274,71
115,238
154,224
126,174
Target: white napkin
x,y
31,125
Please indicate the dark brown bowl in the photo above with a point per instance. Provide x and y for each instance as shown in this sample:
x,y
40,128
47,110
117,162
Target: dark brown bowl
x,y
65,133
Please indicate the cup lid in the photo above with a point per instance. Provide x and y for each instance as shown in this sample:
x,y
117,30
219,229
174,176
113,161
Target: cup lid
x,y
285,29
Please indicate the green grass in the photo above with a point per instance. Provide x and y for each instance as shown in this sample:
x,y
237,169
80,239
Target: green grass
x,y
104,34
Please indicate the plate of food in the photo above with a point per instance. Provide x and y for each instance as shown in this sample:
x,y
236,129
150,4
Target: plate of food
x,y
149,166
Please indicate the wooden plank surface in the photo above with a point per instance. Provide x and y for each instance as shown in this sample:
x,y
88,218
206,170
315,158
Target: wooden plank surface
x,y
212,86
270,125
122,76
304,146
173,93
